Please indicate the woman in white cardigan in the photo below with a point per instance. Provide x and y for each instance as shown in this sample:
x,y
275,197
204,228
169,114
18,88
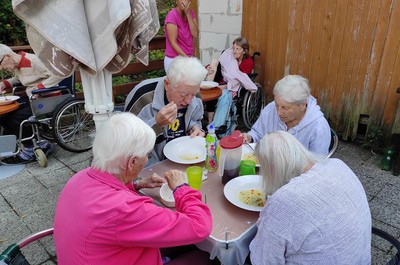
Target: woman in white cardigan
x,y
317,213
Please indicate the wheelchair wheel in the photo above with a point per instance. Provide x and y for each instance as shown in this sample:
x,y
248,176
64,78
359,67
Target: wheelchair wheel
x,y
73,127
253,103
41,157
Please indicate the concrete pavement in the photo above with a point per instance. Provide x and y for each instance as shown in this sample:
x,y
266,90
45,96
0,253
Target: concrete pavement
x,y
28,199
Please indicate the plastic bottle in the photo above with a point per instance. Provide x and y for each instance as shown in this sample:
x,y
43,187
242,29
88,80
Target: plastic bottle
x,y
211,147
387,159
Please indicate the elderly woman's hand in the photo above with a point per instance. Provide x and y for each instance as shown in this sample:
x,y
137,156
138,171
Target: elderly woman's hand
x,y
174,178
152,181
247,138
196,131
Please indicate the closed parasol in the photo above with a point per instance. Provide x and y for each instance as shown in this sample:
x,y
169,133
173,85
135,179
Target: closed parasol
x,y
98,35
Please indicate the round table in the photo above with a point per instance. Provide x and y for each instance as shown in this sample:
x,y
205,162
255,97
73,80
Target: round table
x,y
210,94
9,107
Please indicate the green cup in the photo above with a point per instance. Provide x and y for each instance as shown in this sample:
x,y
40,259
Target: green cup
x,y
247,167
195,176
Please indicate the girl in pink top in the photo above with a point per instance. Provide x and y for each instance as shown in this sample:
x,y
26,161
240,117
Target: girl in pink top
x,y
101,219
180,27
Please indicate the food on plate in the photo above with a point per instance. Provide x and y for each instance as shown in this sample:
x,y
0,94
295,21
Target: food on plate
x,y
250,156
253,197
189,157
206,86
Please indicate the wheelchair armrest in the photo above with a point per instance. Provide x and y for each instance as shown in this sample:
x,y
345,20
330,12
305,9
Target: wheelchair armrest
x,y
48,89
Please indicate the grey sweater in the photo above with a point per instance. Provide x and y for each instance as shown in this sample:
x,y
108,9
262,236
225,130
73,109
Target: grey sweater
x,y
319,217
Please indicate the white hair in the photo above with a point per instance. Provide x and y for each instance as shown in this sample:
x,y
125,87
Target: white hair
x,y
282,157
293,89
187,70
124,135
4,50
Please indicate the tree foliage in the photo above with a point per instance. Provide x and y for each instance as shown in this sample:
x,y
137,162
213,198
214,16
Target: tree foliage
x,y
12,30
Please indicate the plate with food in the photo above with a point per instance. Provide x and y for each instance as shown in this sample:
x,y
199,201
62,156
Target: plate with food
x,y
248,153
246,192
208,84
5,100
186,150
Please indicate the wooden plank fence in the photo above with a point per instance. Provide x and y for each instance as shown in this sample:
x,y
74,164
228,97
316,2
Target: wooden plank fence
x,y
348,49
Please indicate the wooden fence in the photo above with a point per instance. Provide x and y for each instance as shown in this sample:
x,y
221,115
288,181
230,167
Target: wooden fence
x,y
348,49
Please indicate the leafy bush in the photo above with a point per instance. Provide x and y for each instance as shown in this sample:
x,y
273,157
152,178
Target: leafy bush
x,y
12,30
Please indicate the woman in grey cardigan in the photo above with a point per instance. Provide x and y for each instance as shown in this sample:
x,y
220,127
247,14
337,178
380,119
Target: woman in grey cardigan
x,y
317,213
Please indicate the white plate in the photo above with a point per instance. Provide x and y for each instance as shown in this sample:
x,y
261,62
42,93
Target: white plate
x,y
248,154
208,84
10,99
236,185
186,150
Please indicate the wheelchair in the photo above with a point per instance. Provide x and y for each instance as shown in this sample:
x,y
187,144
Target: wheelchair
x,y
245,104
60,117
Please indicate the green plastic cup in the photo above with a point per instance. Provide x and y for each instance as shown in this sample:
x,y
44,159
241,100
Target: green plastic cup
x,y
195,176
247,167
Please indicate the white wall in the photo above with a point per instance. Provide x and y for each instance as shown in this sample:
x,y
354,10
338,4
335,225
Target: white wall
x,y
220,22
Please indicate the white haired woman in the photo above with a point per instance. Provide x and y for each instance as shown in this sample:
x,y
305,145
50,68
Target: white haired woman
x,y
294,110
317,213
101,219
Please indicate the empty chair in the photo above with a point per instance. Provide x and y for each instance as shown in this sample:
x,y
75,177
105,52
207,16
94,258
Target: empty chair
x,y
13,254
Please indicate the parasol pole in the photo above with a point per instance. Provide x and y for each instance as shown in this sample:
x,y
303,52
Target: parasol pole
x,y
97,90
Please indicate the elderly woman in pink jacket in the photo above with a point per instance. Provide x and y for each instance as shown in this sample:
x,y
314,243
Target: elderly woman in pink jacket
x,y
101,219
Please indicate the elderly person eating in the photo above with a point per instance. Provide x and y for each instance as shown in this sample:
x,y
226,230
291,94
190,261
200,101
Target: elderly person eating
x,y
169,104
100,217
296,111
317,213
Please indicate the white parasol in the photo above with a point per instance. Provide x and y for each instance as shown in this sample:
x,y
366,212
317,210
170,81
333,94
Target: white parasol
x,y
97,35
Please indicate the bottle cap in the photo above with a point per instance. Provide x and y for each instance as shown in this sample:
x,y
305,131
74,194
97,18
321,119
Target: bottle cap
x,y
211,127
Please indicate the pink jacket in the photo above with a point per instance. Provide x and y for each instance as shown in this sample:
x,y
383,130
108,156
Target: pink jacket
x,y
99,220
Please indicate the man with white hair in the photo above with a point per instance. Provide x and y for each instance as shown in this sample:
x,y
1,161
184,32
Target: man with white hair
x,y
28,71
169,104
296,111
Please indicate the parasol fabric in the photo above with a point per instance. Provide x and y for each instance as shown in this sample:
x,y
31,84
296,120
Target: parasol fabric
x,y
97,35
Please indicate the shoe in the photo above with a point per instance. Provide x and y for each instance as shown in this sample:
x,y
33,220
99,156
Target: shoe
x,y
46,147
13,160
28,155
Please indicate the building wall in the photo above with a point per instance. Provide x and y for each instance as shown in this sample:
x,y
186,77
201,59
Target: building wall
x,y
220,22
